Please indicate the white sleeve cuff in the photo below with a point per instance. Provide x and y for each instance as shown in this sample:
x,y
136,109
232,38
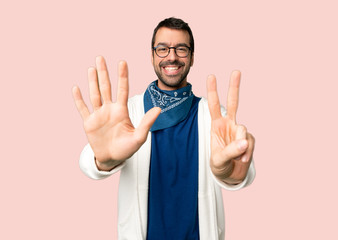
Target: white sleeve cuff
x,y
89,168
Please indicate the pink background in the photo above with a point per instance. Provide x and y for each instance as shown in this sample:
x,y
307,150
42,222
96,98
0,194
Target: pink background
x,y
287,52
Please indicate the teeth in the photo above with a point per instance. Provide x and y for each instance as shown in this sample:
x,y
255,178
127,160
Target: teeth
x,y
171,68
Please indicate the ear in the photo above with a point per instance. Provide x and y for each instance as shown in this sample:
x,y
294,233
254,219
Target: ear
x,y
192,60
152,57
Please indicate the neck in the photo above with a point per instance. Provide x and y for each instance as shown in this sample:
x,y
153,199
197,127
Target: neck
x,y
165,87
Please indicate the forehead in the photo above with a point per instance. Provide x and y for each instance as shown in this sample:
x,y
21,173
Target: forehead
x,y
171,37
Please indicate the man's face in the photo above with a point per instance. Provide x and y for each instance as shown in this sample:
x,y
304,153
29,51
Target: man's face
x,y
172,70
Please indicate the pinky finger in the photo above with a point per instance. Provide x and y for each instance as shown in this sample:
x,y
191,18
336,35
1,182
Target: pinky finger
x,y
80,105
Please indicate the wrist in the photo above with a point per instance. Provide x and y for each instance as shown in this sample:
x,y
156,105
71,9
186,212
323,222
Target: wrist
x,y
231,181
226,173
223,172
106,165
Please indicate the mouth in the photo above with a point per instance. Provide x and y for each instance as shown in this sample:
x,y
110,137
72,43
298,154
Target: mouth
x,y
171,70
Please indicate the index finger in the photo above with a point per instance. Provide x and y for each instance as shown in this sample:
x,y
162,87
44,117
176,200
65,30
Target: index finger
x,y
213,100
233,95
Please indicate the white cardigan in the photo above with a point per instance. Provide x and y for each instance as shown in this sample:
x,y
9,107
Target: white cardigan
x,y
133,186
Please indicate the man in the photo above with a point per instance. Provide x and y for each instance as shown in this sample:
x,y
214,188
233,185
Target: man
x,y
174,150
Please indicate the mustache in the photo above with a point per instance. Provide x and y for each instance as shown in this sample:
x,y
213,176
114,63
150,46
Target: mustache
x,y
174,63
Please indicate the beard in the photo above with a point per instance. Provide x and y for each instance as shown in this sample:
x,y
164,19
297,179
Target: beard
x,y
172,81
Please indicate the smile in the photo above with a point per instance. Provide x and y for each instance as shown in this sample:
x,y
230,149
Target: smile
x,y
171,70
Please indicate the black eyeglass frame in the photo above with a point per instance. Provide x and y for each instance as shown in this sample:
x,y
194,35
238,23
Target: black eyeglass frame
x,y
154,48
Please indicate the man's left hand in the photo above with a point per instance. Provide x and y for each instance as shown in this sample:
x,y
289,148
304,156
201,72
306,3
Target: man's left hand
x,y
231,145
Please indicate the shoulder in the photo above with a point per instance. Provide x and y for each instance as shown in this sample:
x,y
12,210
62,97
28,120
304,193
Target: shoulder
x,y
203,103
203,107
136,109
136,100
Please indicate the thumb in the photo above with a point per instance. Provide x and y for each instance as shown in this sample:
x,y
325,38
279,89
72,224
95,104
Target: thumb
x,y
148,120
234,149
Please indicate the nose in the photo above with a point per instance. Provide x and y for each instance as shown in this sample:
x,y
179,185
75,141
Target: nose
x,y
172,55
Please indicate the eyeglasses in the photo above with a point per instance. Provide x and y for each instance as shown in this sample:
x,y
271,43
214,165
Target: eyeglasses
x,y
163,51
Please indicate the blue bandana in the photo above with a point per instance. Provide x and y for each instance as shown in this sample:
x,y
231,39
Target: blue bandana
x,y
175,105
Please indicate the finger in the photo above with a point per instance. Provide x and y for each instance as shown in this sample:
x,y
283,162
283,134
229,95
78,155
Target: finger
x,y
238,134
94,92
123,85
104,83
241,132
247,156
148,120
213,100
80,105
234,149
233,95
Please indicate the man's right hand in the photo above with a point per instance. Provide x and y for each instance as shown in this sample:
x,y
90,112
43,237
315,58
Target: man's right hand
x,y
109,130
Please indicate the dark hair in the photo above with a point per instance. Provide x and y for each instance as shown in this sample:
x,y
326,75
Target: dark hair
x,y
174,23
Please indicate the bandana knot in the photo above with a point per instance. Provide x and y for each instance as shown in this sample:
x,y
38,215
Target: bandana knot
x,y
175,104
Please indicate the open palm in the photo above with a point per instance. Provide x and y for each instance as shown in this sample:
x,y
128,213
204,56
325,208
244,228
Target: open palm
x,y
109,130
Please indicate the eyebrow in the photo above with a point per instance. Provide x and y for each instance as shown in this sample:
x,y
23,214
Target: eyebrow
x,y
177,45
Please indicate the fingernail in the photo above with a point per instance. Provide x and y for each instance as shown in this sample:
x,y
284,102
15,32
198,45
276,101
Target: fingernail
x,y
244,158
242,145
